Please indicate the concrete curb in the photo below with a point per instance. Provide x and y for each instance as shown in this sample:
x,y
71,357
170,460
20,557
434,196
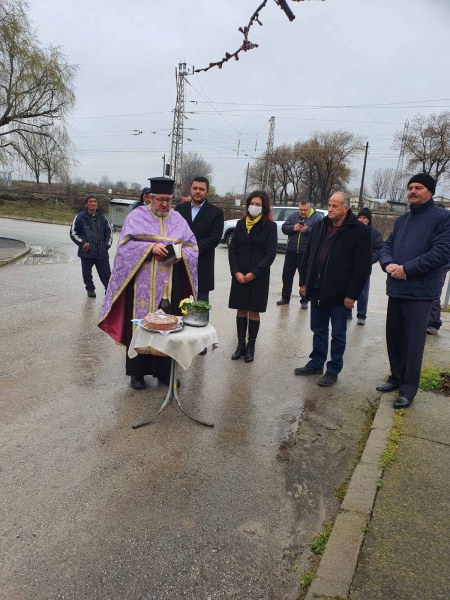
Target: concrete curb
x,y
6,260
339,561
15,218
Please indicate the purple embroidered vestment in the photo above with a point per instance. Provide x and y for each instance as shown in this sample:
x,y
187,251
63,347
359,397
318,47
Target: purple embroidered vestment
x,y
141,230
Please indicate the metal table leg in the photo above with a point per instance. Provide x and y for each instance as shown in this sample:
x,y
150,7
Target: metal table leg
x,y
172,393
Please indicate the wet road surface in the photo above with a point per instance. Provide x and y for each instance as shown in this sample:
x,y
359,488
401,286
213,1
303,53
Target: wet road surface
x,y
93,509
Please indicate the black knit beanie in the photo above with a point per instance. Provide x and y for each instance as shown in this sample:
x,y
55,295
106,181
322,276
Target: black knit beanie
x,y
425,180
365,212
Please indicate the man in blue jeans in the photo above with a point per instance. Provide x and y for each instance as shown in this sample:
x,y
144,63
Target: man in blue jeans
x,y
92,233
335,267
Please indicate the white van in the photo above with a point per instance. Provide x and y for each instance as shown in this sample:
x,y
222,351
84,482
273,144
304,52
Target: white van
x,y
279,213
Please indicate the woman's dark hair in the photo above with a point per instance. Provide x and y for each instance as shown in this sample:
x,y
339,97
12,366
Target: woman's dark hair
x,y
265,201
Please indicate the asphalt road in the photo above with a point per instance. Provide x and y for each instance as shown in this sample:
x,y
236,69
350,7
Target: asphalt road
x,y
93,509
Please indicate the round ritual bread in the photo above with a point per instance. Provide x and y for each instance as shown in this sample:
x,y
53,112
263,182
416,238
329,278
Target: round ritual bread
x,y
160,322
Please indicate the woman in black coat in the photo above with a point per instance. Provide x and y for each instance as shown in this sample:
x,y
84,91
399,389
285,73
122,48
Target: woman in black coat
x,y
252,250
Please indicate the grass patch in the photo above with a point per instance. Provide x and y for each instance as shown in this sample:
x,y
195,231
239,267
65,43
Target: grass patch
x,y
48,211
340,491
430,379
445,309
318,545
307,578
319,541
389,453
370,412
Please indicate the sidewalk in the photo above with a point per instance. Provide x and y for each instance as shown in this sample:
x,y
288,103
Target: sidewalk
x,y
394,543
11,250
406,552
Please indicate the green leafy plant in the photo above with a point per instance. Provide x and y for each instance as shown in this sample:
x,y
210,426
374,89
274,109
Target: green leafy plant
x,y
430,379
319,542
340,491
189,305
307,578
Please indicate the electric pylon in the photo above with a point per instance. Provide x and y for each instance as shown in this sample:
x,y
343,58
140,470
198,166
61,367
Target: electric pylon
x,y
268,155
176,153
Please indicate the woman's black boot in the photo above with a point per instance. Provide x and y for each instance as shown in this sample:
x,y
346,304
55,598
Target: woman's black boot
x,y
241,324
253,328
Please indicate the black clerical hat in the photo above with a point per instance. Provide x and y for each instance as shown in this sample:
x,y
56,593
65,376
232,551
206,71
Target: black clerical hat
x,y
162,185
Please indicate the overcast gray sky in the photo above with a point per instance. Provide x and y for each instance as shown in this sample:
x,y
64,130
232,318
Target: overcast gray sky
x,y
360,65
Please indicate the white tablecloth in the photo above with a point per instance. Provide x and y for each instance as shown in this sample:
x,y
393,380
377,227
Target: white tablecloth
x,y
182,345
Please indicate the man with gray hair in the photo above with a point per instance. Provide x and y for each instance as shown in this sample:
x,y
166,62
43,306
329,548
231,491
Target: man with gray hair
x,y
335,266
297,227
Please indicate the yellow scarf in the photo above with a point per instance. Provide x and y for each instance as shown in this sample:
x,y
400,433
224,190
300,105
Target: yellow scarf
x,y
250,222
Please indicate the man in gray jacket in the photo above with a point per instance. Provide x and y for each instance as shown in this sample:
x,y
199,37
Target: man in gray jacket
x,y
297,227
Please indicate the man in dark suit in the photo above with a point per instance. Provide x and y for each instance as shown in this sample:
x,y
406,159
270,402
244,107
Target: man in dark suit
x,y
206,222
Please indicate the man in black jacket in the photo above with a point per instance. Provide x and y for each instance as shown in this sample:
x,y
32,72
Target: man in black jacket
x,y
413,256
91,232
335,267
206,222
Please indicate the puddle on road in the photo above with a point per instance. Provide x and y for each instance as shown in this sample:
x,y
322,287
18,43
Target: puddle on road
x,y
288,423
40,255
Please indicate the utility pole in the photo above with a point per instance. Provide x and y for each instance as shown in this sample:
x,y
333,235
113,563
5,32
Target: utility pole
x,y
176,153
361,189
399,170
246,182
269,155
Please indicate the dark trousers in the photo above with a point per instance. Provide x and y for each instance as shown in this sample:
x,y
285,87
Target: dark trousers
x,y
435,313
406,326
103,270
320,324
203,295
292,262
361,304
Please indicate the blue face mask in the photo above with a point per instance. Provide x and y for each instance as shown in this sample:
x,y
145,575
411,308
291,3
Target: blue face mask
x,y
254,211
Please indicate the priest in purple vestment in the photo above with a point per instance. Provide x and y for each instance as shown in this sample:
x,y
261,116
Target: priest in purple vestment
x,y
139,272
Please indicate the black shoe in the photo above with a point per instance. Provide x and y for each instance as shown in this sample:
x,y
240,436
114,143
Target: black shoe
x,y
250,353
304,305
327,380
91,294
308,369
137,383
402,402
282,301
203,352
386,387
240,350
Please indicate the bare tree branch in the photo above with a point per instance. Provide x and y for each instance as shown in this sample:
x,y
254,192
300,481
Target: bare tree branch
x,y
246,43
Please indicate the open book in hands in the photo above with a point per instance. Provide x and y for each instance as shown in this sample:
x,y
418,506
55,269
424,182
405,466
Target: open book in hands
x,y
173,253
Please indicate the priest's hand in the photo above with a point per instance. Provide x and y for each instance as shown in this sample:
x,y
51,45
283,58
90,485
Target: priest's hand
x,y
159,250
239,277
